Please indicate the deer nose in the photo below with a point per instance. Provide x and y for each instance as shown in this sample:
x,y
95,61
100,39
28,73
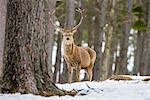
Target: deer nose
x,y
67,38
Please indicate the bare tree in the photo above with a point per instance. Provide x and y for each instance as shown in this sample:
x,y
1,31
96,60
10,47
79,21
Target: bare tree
x,y
124,42
142,50
147,56
101,11
108,40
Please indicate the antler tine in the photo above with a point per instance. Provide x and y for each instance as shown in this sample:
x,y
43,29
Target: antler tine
x,y
81,12
59,28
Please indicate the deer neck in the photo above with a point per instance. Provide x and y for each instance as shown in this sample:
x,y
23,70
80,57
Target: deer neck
x,y
69,49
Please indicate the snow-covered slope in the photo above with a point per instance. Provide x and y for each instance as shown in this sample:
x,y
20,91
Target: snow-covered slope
x,y
106,90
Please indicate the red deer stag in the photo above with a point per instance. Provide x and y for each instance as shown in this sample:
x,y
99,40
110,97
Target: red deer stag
x,y
76,57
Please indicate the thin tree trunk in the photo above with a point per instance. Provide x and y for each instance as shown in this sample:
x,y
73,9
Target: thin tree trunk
x,y
78,35
100,23
2,32
70,14
147,56
69,25
138,62
57,65
125,40
108,42
50,36
142,54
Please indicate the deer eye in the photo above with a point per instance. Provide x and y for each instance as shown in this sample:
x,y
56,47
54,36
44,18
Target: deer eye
x,y
67,38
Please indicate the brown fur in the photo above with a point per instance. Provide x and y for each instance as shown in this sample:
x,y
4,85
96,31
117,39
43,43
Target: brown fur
x,y
78,58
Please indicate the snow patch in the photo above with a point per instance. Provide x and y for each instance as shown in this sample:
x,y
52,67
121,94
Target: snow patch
x,y
105,90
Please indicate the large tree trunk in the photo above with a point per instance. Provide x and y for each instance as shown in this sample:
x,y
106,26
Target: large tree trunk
x,y
2,32
26,69
100,23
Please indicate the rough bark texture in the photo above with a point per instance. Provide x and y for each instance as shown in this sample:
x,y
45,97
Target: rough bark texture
x,y
101,6
26,69
2,32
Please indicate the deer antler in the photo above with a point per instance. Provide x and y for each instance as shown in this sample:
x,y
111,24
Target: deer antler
x,y
81,12
62,29
59,28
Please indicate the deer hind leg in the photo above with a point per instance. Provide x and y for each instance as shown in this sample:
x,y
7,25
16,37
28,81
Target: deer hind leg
x,y
89,73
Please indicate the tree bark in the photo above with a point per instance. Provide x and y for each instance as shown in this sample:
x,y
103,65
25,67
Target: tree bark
x,y
50,37
25,58
139,54
70,14
142,51
125,40
101,6
147,56
57,66
108,42
78,34
69,25
2,32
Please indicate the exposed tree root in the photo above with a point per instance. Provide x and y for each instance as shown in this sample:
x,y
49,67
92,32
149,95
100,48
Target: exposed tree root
x,y
50,89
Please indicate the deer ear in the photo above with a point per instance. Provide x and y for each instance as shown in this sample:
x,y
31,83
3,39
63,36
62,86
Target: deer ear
x,y
74,31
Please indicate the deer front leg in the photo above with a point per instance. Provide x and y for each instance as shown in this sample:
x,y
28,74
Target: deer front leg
x,y
70,71
78,73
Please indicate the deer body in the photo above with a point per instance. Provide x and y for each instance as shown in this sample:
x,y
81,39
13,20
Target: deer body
x,y
80,59
76,57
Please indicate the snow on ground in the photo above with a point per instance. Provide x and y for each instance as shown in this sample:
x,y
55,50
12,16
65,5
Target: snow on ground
x,y
106,90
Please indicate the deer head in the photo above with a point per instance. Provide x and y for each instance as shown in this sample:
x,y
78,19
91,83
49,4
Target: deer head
x,y
68,34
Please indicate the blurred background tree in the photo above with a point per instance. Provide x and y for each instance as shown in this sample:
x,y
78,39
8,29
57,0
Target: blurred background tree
x,y
118,31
